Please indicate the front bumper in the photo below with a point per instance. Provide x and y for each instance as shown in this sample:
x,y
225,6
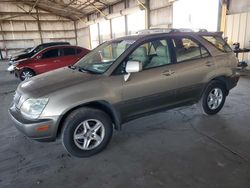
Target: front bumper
x,y
11,68
17,73
35,129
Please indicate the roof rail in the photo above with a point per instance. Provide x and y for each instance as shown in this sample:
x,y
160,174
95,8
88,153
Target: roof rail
x,y
168,30
154,30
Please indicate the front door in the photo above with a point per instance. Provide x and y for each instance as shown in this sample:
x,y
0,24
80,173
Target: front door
x,y
49,60
154,87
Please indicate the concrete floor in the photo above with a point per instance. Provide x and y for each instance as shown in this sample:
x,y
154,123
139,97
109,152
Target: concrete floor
x,y
177,148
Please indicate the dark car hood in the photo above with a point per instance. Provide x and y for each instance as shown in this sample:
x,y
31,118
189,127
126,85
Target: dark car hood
x,y
21,56
52,81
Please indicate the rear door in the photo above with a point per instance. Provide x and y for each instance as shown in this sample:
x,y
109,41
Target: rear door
x,y
193,67
69,56
49,60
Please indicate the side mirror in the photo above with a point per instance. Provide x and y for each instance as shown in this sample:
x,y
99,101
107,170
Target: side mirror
x,y
132,66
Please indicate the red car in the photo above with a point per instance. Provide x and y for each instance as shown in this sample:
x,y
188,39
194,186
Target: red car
x,y
49,59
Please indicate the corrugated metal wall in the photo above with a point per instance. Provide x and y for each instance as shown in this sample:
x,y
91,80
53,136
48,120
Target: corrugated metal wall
x,y
160,15
22,32
238,30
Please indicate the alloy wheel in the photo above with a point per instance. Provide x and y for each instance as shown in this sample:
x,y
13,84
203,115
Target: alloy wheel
x,y
26,75
89,134
214,98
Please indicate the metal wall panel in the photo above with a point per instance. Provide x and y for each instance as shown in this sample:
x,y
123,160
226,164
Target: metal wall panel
x,y
238,30
166,17
247,33
22,31
239,6
118,7
83,37
21,35
155,4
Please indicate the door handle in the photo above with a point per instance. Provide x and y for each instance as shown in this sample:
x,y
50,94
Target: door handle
x,y
56,61
168,73
209,63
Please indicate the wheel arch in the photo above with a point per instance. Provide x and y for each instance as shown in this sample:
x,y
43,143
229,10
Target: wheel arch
x,y
27,68
101,105
222,79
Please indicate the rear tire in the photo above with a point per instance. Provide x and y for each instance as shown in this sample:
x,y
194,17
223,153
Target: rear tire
x,y
26,74
86,132
213,98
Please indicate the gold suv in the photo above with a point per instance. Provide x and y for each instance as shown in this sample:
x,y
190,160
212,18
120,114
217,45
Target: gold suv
x,y
121,80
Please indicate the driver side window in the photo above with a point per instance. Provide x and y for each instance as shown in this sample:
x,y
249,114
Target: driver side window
x,y
50,54
151,54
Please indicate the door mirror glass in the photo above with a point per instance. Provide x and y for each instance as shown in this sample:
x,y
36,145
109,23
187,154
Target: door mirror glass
x,y
132,66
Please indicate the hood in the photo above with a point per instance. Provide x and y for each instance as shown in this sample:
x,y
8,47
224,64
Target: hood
x,y
21,56
54,81
20,61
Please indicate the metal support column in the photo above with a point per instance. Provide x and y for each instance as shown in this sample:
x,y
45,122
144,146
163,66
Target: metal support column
x,y
75,32
39,26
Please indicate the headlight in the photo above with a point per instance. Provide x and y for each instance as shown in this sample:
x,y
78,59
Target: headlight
x,y
11,68
32,108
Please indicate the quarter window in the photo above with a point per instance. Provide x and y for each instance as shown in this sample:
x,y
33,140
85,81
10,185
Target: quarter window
x,y
188,49
218,42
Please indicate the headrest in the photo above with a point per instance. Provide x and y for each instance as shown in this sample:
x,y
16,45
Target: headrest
x,y
162,51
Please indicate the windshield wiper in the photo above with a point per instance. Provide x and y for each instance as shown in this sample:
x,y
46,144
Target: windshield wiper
x,y
81,69
72,67
87,70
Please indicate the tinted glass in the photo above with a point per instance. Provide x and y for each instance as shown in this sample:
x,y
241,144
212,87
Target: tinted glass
x,y
78,50
69,51
50,54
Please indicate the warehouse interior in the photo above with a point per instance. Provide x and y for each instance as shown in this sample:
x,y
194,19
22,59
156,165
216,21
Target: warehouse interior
x,y
25,24
174,148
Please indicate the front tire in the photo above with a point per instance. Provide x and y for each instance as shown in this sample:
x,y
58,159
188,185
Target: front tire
x,y
86,132
26,74
213,98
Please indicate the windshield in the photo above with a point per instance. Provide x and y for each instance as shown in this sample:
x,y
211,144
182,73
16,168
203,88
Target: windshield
x,y
101,58
37,49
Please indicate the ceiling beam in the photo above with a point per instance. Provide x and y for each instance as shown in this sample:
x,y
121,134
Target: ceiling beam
x,y
34,5
26,12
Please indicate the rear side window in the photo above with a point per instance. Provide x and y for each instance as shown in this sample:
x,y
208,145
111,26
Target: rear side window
x,y
218,42
50,54
69,51
188,49
78,50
